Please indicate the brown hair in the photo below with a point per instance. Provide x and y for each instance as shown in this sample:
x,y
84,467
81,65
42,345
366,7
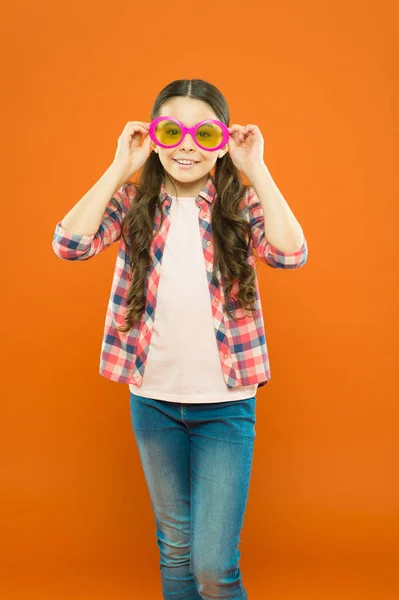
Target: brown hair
x,y
231,232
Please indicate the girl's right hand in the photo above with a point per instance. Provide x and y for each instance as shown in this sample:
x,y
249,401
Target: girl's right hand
x,y
130,156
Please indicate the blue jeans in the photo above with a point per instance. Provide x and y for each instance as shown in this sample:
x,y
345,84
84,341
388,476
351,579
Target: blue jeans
x,y
197,461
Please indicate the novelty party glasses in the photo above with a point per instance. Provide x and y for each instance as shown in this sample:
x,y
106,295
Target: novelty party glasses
x,y
208,134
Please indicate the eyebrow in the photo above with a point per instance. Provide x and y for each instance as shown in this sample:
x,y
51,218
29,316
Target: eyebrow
x,y
212,125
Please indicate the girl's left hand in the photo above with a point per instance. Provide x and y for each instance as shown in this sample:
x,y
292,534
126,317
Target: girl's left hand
x,y
246,147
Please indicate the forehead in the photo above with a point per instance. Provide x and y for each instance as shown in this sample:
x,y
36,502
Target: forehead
x,y
187,110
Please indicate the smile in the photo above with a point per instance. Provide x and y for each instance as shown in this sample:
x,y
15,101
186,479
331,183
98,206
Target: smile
x,y
186,162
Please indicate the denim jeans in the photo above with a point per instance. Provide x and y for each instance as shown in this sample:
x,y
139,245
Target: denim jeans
x,y
197,461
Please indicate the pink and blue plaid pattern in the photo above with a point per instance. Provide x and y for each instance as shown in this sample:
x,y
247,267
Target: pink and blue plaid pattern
x,y
241,341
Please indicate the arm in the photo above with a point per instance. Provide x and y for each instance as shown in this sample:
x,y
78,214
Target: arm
x,y
277,236
101,210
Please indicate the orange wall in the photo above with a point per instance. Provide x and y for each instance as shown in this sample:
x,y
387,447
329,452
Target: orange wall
x,y
320,80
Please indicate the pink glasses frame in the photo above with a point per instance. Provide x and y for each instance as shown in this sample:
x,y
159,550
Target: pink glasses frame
x,y
191,130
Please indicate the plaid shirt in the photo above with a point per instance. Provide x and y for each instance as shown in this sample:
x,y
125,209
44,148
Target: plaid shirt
x,y
241,341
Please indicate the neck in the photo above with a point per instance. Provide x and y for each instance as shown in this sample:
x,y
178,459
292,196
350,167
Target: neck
x,y
191,188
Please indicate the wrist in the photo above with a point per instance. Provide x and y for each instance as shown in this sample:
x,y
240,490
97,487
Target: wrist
x,y
256,171
115,174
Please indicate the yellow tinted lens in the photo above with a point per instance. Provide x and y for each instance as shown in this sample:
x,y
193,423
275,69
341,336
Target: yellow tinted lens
x,y
168,132
209,135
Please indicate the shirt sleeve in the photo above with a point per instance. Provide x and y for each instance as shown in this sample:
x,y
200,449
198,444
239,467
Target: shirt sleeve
x,y
73,246
268,254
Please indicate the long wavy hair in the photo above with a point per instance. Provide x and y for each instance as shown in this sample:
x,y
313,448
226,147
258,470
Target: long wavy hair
x,y
230,230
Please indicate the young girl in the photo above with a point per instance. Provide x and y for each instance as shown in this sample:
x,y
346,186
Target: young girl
x,y
184,325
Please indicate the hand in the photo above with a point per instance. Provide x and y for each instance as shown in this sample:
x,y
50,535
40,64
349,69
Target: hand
x,y
130,155
246,147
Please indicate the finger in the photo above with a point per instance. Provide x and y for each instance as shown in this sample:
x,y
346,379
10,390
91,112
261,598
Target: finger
x,y
138,130
235,128
147,142
250,129
130,132
236,131
132,125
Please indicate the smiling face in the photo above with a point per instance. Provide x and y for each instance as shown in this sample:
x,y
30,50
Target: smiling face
x,y
189,180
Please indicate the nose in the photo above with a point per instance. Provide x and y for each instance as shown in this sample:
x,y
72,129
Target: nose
x,y
187,142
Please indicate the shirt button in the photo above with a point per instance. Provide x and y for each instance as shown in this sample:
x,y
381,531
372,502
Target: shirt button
x,y
205,215
217,300
208,243
226,356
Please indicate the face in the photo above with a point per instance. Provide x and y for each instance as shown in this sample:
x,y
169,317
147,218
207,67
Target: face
x,y
188,181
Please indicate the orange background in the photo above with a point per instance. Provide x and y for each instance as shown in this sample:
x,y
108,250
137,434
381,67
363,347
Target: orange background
x,y
321,82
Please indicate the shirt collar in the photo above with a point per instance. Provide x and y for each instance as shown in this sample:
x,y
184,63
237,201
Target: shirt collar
x,y
208,192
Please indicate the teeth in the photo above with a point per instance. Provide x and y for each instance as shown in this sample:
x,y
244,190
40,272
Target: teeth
x,y
185,162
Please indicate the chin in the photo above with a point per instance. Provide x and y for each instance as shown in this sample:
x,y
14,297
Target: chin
x,y
187,174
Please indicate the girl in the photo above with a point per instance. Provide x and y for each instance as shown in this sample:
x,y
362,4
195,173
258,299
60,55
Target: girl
x,y
184,324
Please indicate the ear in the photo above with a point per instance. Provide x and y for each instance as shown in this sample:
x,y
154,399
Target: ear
x,y
223,150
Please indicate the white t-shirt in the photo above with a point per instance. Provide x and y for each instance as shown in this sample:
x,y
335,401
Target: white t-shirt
x,y
183,362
